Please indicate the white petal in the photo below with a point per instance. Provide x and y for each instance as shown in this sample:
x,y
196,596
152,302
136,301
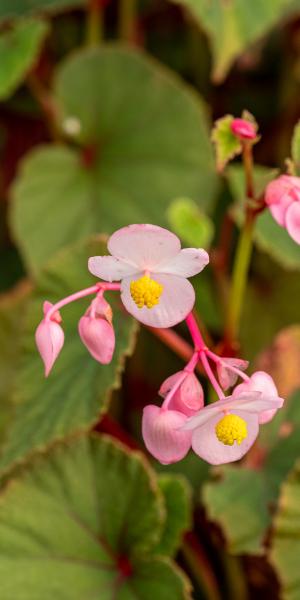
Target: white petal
x,y
187,263
110,268
143,245
206,444
176,301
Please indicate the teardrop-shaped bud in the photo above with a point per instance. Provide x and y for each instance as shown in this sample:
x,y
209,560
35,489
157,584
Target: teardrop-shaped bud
x,y
188,398
49,338
227,377
162,435
245,130
98,336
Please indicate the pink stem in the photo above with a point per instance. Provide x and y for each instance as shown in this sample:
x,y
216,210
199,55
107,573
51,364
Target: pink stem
x,y
189,368
103,286
210,374
218,360
195,332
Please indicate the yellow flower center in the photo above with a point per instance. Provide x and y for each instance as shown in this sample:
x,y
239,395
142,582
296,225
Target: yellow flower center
x,y
230,429
145,292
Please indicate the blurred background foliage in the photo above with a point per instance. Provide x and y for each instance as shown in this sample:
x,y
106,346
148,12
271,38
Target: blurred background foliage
x,y
106,109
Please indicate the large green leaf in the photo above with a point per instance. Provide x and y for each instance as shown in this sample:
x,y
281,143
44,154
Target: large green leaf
x,y
232,26
285,544
19,48
177,495
269,236
19,8
82,522
78,388
233,500
146,141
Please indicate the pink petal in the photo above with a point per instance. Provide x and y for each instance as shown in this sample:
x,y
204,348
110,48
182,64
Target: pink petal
x,y
161,434
49,338
206,444
260,382
227,378
143,245
110,268
243,129
187,263
175,303
278,210
98,337
252,402
189,398
293,221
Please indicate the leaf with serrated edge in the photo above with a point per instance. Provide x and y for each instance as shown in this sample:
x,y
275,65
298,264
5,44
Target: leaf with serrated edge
x,y
78,389
285,542
82,522
146,140
227,144
177,495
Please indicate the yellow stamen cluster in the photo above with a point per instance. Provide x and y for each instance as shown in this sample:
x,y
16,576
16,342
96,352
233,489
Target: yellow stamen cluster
x,y
230,429
145,292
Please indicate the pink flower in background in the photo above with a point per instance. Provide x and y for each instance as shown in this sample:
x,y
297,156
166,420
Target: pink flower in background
x,y
49,338
224,431
163,436
283,198
96,330
188,398
243,129
260,382
153,270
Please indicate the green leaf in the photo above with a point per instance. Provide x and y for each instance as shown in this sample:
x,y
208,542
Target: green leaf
x,y
237,501
19,8
232,26
78,389
285,543
226,143
19,48
269,236
82,522
190,223
296,148
177,495
146,140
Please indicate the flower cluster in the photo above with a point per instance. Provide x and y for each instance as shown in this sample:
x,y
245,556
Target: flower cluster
x,y
283,199
152,271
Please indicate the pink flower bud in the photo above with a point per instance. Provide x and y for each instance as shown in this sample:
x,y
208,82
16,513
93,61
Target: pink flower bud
x,y
162,435
227,377
260,382
283,198
98,336
49,338
189,398
101,308
243,129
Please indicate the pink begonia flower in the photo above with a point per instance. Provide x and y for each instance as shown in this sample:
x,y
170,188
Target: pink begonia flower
x,y
227,377
162,434
283,198
188,398
260,382
224,431
153,271
49,338
243,129
96,331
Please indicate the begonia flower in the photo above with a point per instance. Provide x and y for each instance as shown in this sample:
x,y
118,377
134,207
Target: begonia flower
x,y
260,382
283,198
162,434
188,398
153,270
224,431
49,338
243,129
